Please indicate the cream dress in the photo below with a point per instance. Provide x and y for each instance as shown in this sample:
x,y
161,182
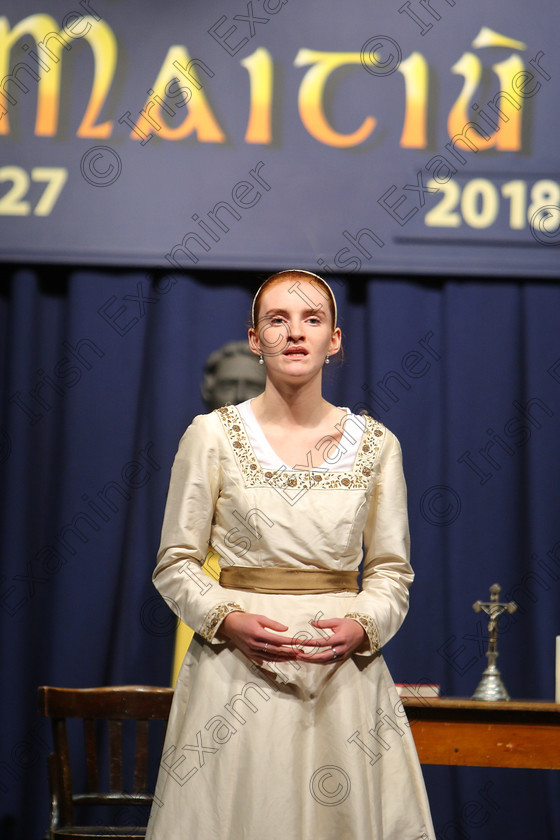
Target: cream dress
x,y
290,751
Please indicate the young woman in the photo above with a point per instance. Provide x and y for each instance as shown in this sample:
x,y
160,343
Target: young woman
x,y
285,722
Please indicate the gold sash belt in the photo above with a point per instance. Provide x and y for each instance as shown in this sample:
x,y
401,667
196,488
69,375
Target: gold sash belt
x,y
280,580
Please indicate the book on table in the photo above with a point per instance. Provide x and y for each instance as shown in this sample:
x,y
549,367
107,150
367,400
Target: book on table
x,y
418,689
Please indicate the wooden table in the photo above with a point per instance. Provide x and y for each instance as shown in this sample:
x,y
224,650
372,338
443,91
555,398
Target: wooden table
x,y
517,733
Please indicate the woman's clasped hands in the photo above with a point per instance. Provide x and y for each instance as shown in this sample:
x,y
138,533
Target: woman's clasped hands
x,y
252,635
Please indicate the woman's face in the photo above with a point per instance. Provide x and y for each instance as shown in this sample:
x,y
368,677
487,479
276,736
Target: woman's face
x,y
294,331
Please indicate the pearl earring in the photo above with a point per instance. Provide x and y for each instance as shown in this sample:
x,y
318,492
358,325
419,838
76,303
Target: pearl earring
x,y
261,360
327,361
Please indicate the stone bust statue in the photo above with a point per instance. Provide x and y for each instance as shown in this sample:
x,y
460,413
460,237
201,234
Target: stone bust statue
x,y
231,375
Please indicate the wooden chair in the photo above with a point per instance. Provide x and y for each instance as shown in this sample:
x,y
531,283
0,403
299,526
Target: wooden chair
x,y
114,704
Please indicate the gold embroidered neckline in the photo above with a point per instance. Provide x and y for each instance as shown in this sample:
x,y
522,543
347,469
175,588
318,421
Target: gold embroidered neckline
x,y
254,475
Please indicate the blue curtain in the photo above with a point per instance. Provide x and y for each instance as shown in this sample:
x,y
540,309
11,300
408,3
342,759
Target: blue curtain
x,y
101,373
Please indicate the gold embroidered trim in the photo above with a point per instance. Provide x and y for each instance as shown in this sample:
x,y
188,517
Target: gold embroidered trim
x,y
284,479
370,627
215,618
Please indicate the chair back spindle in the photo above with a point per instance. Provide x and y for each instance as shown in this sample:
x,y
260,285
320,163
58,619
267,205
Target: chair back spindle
x,y
114,708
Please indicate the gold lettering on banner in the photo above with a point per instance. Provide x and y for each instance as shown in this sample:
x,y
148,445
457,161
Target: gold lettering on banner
x,y
104,47
46,68
199,119
312,92
499,123
180,90
261,79
415,72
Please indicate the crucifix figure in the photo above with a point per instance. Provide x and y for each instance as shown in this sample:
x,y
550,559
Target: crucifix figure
x,y
491,686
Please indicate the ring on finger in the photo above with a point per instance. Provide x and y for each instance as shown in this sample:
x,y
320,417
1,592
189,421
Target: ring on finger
x,y
265,647
334,653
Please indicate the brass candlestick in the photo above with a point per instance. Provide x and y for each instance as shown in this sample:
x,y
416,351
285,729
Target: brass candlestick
x,y
491,686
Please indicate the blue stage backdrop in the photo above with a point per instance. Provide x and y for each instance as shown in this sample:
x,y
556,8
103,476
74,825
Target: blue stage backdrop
x,y
416,137
100,375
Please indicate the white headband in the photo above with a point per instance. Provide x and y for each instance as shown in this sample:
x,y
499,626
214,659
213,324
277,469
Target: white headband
x,y
295,271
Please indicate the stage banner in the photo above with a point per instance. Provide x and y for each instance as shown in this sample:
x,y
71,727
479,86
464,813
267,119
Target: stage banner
x,y
414,136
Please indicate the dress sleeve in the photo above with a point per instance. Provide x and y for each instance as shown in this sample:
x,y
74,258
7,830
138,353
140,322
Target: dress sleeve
x,y
382,604
194,488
